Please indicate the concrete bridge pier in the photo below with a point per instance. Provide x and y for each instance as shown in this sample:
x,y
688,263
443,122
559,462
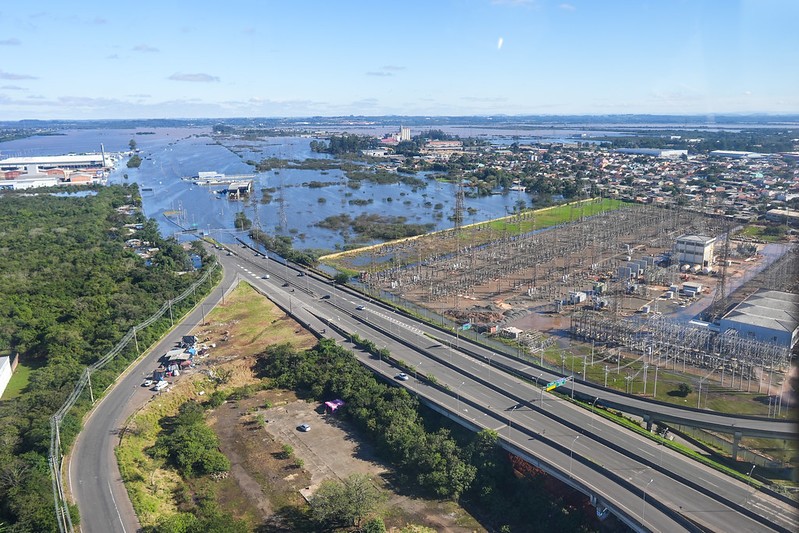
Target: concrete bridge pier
x,y
736,439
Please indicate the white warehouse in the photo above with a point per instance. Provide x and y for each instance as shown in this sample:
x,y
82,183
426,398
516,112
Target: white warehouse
x,y
768,316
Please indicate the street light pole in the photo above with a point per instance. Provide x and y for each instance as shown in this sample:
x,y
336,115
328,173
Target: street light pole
x,y
643,511
593,413
749,475
571,454
458,393
510,424
540,379
655,392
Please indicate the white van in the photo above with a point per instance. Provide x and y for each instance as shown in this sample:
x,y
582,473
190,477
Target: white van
x,y
161,385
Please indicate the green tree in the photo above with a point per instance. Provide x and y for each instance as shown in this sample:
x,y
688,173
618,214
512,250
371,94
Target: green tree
x,y
347,502
134,161
190,445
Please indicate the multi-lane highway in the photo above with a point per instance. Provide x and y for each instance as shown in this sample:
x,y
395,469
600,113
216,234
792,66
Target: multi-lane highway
x,y
646,485
713,500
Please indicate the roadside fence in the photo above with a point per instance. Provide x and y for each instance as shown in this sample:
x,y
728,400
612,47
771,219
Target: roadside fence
x,y
55,457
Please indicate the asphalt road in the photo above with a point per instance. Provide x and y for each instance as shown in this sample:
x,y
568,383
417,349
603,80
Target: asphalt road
x,y
93,474
645,484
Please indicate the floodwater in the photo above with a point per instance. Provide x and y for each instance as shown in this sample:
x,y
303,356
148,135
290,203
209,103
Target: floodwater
x,y
171,153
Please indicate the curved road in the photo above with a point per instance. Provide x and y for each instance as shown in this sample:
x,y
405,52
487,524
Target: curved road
x,y
93,474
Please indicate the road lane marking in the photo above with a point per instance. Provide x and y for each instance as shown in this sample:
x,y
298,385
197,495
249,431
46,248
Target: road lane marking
x,y
115,507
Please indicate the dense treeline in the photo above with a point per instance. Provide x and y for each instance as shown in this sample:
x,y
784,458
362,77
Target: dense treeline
x,y
374,226
345,144
440,463
763,140
281,245
389,415
70,291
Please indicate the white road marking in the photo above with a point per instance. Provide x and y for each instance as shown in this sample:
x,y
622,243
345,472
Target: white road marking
x,y
117,508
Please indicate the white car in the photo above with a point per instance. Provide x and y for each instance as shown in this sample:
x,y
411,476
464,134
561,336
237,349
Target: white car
x,y
304,427
402,376
147,383
161,385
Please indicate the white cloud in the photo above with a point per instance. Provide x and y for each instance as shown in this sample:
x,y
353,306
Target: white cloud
x,y
386,70
500,42
144,48
13,41
11,76
567,7
13,88
198,77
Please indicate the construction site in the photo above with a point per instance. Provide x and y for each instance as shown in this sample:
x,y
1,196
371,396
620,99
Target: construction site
x,y
608,276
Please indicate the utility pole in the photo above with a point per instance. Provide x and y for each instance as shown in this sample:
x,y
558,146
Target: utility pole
x,y
89,379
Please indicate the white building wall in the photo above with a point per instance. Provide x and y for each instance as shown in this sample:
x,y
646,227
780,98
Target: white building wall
x,y
694,253
5,373
761,333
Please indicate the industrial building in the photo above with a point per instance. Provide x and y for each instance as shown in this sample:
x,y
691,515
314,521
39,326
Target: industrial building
x,y
656,152
783,216
767,316
71,161
694,250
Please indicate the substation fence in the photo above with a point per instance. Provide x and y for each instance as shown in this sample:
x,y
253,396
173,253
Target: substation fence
x,y
664,342
55,457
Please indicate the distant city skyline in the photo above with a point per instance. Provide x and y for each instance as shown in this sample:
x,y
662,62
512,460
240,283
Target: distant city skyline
x,y
246,58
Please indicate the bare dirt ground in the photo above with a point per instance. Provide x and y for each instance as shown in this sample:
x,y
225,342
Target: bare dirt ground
x,y
264,486
263,481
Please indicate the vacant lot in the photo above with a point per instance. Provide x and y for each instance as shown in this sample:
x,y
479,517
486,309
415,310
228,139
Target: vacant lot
x,y
265,485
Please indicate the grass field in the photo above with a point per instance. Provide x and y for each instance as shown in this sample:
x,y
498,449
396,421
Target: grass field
x,y
758,232
472,234
552,216
18,382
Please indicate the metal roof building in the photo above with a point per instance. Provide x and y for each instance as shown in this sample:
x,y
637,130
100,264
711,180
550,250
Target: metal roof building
x,y
768,316
57,161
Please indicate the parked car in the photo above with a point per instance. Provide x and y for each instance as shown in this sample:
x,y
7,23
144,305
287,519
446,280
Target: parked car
x,y
161,385
147,383
304,428
402,376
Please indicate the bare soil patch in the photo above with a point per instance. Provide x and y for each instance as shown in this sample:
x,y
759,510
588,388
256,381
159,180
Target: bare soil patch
x,y
265,487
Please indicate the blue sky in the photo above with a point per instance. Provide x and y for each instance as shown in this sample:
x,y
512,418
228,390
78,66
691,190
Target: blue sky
x,y
184,59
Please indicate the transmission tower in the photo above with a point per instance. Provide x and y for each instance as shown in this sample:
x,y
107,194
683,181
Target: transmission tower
x,y
284,221
458,215
256,219
716,308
